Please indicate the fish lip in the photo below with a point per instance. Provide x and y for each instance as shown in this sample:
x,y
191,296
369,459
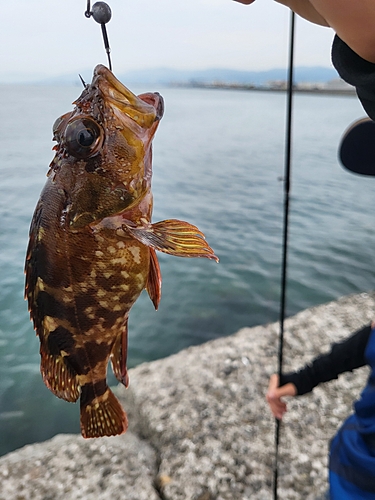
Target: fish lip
x,y
156,101
144,109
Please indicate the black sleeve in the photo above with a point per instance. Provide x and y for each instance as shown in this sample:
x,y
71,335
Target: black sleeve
x,y
344,356
356,71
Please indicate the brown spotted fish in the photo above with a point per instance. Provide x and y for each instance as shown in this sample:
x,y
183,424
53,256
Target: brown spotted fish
x,y
92,247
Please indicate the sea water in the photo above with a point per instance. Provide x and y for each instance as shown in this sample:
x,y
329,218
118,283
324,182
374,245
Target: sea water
x,y
219,164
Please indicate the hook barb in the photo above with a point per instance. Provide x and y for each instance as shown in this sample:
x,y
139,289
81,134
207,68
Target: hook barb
x,y
83,81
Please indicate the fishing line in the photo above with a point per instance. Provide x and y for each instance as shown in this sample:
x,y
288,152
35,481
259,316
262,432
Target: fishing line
x,y
287,176
101,12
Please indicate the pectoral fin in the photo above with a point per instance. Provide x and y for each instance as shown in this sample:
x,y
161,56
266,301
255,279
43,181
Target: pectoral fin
x,y
153,285
172,236
119,356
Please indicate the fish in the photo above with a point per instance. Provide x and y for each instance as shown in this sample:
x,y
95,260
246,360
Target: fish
x,y
92,246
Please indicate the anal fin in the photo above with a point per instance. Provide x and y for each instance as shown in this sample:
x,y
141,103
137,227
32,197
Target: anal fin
x,y
172,236
119,355
153,285
59,377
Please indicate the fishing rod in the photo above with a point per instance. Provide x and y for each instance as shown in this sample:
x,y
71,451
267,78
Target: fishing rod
x,y
356,153
287,177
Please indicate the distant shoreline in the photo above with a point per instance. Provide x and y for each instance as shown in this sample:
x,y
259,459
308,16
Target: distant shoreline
x,y
298,89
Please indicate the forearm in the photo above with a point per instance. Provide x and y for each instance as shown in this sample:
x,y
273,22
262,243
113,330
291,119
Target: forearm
x,y
305,9
353,21
344,356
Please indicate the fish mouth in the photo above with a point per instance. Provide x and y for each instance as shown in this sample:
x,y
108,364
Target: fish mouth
x,y
144,109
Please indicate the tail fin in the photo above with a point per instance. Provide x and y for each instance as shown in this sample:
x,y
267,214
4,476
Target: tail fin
x,y
102,415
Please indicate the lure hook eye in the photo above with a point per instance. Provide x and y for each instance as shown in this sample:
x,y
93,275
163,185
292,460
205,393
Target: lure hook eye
x,y
83,137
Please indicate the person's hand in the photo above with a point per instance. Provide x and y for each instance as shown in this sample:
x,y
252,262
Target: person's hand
x,y
275,393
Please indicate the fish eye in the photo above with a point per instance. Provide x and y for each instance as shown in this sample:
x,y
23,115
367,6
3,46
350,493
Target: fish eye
x,y
83,137
58,126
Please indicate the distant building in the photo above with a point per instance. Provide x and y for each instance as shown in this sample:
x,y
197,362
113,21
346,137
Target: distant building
x,y
338,84
310,86
276,84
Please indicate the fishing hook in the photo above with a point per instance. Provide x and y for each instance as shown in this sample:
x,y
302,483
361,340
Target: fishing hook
x,y
101,12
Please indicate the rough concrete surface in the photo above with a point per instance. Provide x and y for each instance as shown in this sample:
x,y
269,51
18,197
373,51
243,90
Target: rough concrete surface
x,y
67,467
200,427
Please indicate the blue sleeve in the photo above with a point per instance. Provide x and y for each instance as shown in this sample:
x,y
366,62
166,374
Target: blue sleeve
x,y
343,357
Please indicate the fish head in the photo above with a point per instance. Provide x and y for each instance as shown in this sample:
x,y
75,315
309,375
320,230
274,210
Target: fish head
x,y
104,145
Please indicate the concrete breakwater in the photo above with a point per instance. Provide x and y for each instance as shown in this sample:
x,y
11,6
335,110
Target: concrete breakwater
x,y
199,425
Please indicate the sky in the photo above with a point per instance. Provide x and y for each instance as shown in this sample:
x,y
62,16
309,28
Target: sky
x,y
46,38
